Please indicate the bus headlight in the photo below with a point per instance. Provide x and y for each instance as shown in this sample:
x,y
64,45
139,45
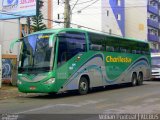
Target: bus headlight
x,y
50,81
19,82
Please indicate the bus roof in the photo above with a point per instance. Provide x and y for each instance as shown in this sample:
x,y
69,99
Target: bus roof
x,y
120,37
81,30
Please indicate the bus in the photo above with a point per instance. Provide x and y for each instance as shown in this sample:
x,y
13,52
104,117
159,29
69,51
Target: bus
x,y
155,58
58,60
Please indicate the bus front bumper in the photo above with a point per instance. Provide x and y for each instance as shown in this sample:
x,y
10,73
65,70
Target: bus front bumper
x,y
36,87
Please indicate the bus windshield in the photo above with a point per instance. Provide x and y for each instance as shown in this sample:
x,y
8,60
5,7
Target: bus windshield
x,y
36,56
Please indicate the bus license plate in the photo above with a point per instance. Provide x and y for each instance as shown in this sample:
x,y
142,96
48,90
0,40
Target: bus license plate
x,y
32,88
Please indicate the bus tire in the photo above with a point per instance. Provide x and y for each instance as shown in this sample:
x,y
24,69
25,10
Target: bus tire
x,y
134,79
83,86
140,79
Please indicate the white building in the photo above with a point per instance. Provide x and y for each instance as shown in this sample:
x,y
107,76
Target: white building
x,y
127,18
84,14
142,21
91,15
9,29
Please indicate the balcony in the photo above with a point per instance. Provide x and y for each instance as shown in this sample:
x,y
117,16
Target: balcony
x,y
153,38
152,9
153,23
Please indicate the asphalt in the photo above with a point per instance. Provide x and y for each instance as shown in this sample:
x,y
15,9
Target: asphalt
x,y
9,91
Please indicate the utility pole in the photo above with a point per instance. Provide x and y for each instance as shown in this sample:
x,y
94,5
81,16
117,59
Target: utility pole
x,y
67,14
29,24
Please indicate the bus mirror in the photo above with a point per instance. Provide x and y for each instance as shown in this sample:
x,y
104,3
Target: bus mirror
x,y
12,45
51,42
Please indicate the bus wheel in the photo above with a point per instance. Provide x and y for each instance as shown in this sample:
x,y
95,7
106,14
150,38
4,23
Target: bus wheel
x,y
140,79
83,86
134,79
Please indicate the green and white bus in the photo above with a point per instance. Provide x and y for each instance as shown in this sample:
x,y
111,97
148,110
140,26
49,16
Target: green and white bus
x,y
53,61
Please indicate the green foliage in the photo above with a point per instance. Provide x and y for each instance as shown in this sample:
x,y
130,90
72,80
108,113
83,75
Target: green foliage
x,y
37,21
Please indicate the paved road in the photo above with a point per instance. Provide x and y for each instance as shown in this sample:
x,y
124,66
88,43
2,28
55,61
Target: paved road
x,y
120,99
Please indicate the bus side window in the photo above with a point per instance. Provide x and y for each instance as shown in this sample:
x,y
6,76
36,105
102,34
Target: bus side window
x,y
102,48
70,44
97,47
109,48
134,51
138,52
123,50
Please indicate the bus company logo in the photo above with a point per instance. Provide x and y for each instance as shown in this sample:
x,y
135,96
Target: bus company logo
x,y
9,4
118,59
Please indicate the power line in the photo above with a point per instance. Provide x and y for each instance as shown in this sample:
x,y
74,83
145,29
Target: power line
x,y
74,5
59,22
88,5
119,7
85,2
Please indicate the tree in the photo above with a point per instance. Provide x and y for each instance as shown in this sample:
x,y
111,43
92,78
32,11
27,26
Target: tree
x,y
38,20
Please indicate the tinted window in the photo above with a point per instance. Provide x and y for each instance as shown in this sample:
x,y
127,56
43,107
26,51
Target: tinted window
x,y
112,44
70,44
133,47
103,43
99,42
36,55
96,42
125,46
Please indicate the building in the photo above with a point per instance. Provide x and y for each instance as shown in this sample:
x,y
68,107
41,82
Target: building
x,y
11,30
141,20
153,23
146,22
84,14
114,17
127,18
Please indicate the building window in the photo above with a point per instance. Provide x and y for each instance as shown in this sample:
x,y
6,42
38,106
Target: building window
x,y
154,46
118,17
58,2
118,2
58,16
110,31
107,12
153,31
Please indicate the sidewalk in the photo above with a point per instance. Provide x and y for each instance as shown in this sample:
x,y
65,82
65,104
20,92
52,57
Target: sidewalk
x,y
8,91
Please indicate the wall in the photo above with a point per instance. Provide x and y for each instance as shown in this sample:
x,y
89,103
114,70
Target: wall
x,y
136,19
85,13
8,32
47,12
110,22
9,28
